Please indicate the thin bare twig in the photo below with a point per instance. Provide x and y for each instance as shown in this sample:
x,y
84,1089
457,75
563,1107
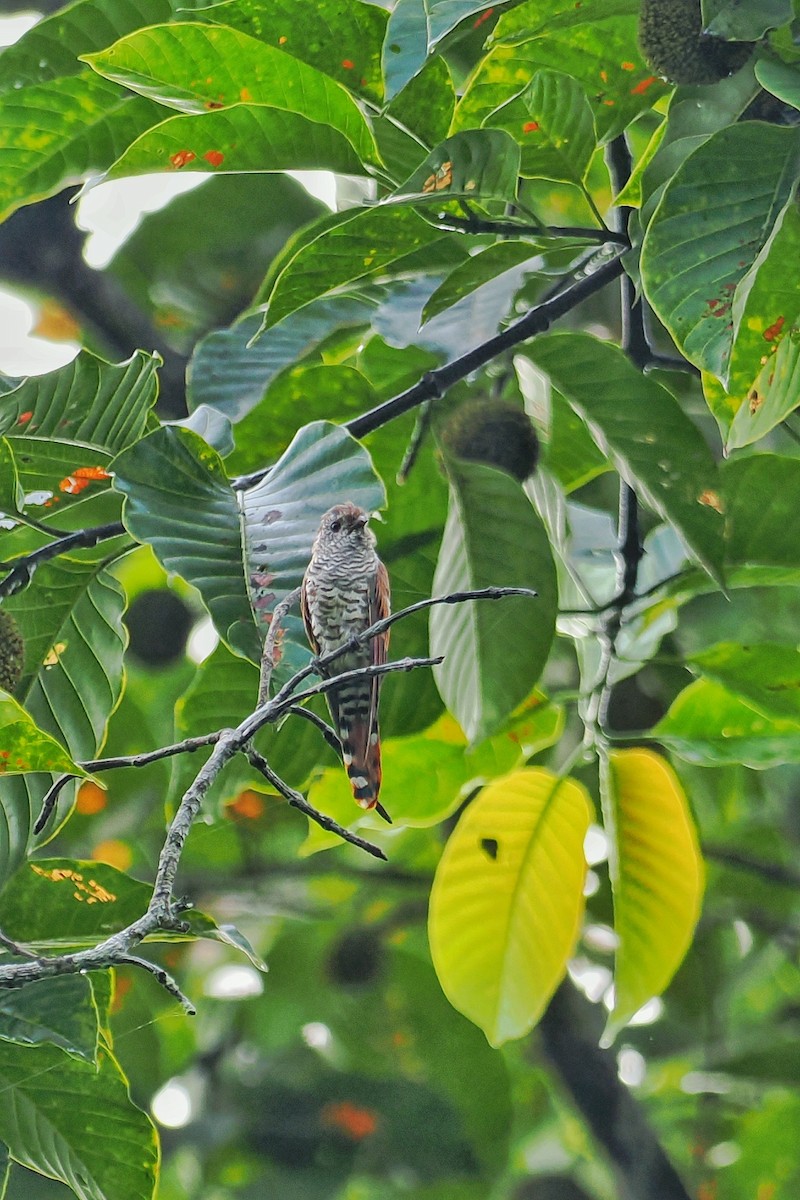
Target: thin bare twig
x,y
268,658
23,570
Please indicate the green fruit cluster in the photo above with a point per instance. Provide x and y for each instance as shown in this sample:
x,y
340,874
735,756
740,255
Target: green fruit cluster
x,y
673,43
493,432
12,652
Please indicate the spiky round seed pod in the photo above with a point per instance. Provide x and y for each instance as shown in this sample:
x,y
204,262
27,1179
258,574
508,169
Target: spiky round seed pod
x,y
673,43
493,432
12,652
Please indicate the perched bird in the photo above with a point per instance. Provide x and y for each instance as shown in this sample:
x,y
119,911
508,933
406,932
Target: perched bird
x,y
345,590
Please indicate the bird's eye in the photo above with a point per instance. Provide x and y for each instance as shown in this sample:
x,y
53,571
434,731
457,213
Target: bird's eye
x,y
336,526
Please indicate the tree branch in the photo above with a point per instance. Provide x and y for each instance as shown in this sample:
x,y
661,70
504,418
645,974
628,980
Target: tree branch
x,y
23,570
475,224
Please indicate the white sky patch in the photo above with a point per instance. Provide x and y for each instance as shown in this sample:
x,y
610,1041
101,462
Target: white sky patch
x,y
648,1013
631,1066
319,184
203,641
595,845
13,27
593,980
21,352
172,1105
317,1036
234,982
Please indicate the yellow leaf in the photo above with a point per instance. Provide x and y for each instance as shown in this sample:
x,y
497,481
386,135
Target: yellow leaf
x,y
656,876
507,900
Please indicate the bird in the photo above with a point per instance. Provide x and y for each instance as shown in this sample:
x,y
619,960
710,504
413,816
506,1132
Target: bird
x,y
345,589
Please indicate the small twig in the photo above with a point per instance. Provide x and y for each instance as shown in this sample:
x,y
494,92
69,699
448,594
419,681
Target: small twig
x,y
298,801
163,977
669,362
420,432
327,731
15,947
729,856
23,570
268,658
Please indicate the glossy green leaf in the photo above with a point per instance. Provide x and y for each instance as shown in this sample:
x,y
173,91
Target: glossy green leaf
x,y
88,401
323,466
51,48
765,675
60,1011
370,244
700,244
244,137
415,28
24,748
656,876
537,17
54,1107
58,132
507,900
425,105
707,724
480,164
603,57
485,266
645,432
12,497
194,68
341,40
774,395
553,123
179,500
493,651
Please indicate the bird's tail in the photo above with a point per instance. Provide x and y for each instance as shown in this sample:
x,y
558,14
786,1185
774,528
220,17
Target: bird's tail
x,y
361,748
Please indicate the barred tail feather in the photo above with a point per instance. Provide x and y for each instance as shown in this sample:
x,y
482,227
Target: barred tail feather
x,y
362,760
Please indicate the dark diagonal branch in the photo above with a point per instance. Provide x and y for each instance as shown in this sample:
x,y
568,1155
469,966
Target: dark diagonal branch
x,y
23,570
475,224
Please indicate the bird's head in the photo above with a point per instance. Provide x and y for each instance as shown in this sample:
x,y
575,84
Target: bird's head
x,y
345,525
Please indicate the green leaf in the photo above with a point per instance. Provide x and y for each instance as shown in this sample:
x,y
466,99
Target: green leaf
x,y
758,496
700,244
12,497
775,393
50,1123
179,500
485,266
656,876
51,48
645,432
231,374
765,675
781,79
244,137
493,651
707,724
26,748
61,131
604,51
425,105
60,1011
415,28
481,164
537,17
372,243
89,401
553,123
194,68
349,50
734,21
507,900
323,466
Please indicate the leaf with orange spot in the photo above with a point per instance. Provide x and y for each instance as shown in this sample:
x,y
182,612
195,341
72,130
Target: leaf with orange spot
x,y
24,748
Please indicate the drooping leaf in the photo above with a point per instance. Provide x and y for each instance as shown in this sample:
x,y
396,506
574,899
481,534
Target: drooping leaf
x,y
493,652
645,432
485,266
743,22
758,498
370,244
58,132
507,900
244,137
50,1121
774,395
179,500
60,1011
415,28
656,876
195,68
700,245
553,123
480,164
781,79
24,748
